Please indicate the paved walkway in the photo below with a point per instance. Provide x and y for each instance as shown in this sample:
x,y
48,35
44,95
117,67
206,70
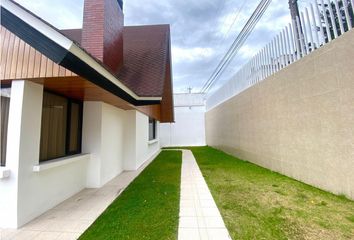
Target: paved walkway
x,y
69,219
199,216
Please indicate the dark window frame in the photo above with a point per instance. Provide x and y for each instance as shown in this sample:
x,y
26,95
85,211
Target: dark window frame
x,y
68,126
154,129
4,128
4,144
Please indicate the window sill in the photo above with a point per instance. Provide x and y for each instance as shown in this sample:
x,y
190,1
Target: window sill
x,y
4,172
152,141
59,162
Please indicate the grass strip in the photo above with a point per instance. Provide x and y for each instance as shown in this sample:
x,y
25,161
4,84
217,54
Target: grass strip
x,y
257,203
148,208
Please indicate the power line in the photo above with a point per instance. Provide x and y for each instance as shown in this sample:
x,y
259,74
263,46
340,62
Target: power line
x,y
237,44
233,22
236,16
255,17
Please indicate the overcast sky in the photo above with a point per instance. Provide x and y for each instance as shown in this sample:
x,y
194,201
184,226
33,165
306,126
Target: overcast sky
x,y
202,30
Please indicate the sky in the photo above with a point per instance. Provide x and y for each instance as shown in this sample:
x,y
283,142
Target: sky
x,y
201,30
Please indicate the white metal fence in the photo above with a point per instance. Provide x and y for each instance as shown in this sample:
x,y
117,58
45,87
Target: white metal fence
x,y
319,23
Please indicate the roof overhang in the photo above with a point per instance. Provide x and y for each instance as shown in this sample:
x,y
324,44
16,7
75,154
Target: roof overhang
x,y
63,51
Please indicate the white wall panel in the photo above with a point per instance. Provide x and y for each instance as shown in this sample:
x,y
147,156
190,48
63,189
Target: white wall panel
x,y
189,126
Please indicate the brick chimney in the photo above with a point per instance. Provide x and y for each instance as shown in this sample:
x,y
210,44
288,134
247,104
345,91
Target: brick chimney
x,y
102,31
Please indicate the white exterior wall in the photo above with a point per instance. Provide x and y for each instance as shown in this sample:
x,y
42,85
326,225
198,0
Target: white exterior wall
x,y
137,145
9,186
145,148
189,126
130,141
113,140
26,193
91,141
103,137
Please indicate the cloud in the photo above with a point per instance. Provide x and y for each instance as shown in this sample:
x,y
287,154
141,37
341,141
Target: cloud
x,y
182,55
201,30
60,13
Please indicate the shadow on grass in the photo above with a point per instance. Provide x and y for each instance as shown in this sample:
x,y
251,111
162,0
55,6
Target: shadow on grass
x,y
148,208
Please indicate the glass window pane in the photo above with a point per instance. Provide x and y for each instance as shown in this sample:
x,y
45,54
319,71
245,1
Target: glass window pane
x,y
5,105
152,129
53,132
74,128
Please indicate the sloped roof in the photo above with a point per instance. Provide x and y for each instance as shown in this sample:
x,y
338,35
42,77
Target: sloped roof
x,y
146,54
146,51
73,34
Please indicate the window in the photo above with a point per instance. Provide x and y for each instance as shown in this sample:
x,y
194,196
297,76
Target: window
x,y
61,127
152,129
5,106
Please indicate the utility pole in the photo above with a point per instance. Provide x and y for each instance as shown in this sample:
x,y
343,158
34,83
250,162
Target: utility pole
x,y
294,9
295,14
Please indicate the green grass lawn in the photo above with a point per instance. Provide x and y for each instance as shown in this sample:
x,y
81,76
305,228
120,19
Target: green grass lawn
x,y
148,208
257,203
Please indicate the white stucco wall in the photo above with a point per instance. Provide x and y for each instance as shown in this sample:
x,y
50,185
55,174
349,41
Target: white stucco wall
x,y
145,148
91,141
129,162
113,140
103,138
9,186
137,147
30,193
189,126
116,139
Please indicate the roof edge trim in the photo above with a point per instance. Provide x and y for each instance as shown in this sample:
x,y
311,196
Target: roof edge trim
x,y
65,45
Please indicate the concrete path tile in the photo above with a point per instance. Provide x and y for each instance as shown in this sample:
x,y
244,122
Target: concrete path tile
x,y
214,222
188,222
218,234
47,235
25,235
188,234
211,212
6,234
203,233
199,216
187,212
68,236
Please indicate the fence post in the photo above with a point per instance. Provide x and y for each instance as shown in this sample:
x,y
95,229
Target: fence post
x,y
333,22
306,42
309,28
339,17
320,23
346,10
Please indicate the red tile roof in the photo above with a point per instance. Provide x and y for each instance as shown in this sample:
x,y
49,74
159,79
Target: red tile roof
x,y
146,51
146,57
73,34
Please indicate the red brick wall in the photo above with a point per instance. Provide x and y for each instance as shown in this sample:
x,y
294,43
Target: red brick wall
x,y
92,28
102,31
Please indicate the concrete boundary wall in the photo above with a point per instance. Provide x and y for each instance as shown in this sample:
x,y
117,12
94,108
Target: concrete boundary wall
x,y
189,126
299,121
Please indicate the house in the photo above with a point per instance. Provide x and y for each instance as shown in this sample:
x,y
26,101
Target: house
x,y
78,106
